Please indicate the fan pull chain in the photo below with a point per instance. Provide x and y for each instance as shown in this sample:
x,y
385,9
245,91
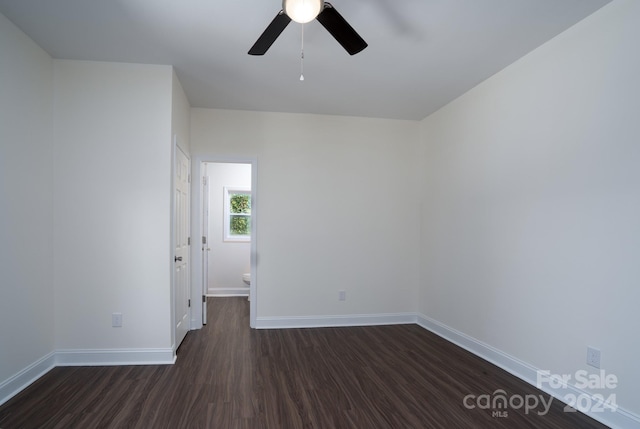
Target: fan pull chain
x,y
302,54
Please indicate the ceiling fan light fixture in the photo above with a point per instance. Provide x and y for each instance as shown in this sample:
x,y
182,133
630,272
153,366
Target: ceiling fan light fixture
x,y
302,11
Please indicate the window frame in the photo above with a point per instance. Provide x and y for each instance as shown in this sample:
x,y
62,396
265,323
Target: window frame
x,y
228,192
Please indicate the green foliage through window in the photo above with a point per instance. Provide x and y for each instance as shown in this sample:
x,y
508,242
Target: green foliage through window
x,y
240,203
239,214
240,225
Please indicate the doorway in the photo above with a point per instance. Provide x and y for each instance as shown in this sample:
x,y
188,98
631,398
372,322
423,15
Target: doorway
x,y
228,223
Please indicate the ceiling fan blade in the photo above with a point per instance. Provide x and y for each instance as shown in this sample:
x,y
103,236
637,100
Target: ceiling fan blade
x,y
341,30
270,34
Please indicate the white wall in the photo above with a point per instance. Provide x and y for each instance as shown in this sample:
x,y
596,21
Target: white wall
x,y
227,260
338,208
26,216
531,196
112,204
180,115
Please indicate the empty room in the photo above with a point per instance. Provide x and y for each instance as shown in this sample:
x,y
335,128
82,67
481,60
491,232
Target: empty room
x,y
345,214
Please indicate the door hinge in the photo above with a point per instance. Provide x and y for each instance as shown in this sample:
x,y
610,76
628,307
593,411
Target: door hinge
x,y
204,240
189,304
188,241
204,298
204,180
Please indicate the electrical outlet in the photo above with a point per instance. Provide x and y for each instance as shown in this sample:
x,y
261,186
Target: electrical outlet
x,y
593,357
342,295
116,320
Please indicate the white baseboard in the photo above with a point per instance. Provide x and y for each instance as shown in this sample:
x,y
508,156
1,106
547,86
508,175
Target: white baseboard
x,y
228,291
334,321
619,419
109,357
17,383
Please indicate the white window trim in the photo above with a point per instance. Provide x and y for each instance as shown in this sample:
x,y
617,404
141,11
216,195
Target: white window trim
x,y
227,215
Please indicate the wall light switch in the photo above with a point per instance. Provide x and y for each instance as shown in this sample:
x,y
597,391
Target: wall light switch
x,y
342,295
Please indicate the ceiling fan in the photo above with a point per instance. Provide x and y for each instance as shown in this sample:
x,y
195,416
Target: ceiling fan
x,y
304,11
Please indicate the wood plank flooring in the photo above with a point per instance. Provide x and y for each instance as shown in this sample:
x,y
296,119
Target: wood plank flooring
x,y
229,376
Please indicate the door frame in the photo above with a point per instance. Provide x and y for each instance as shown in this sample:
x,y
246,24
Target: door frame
x,y
197,281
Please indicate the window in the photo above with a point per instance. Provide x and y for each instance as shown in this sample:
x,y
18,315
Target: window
x,y
237,214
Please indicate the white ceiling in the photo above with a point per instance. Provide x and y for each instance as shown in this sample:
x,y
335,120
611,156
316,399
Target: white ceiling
x,y
421,55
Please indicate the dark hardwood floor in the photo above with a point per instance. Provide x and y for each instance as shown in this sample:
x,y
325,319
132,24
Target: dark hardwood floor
x,y
229,376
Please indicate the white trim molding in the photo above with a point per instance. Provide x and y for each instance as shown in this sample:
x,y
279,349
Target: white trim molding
x,y
17,383
110,357
231,291
335,321
198,288
619,419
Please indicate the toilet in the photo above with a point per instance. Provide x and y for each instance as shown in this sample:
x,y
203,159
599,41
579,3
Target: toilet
x,y
246,277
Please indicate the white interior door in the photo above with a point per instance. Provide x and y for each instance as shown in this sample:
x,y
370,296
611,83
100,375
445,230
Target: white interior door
x,y
181,230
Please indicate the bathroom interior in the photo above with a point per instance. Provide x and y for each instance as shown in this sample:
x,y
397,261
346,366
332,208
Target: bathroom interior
x,y
228,229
